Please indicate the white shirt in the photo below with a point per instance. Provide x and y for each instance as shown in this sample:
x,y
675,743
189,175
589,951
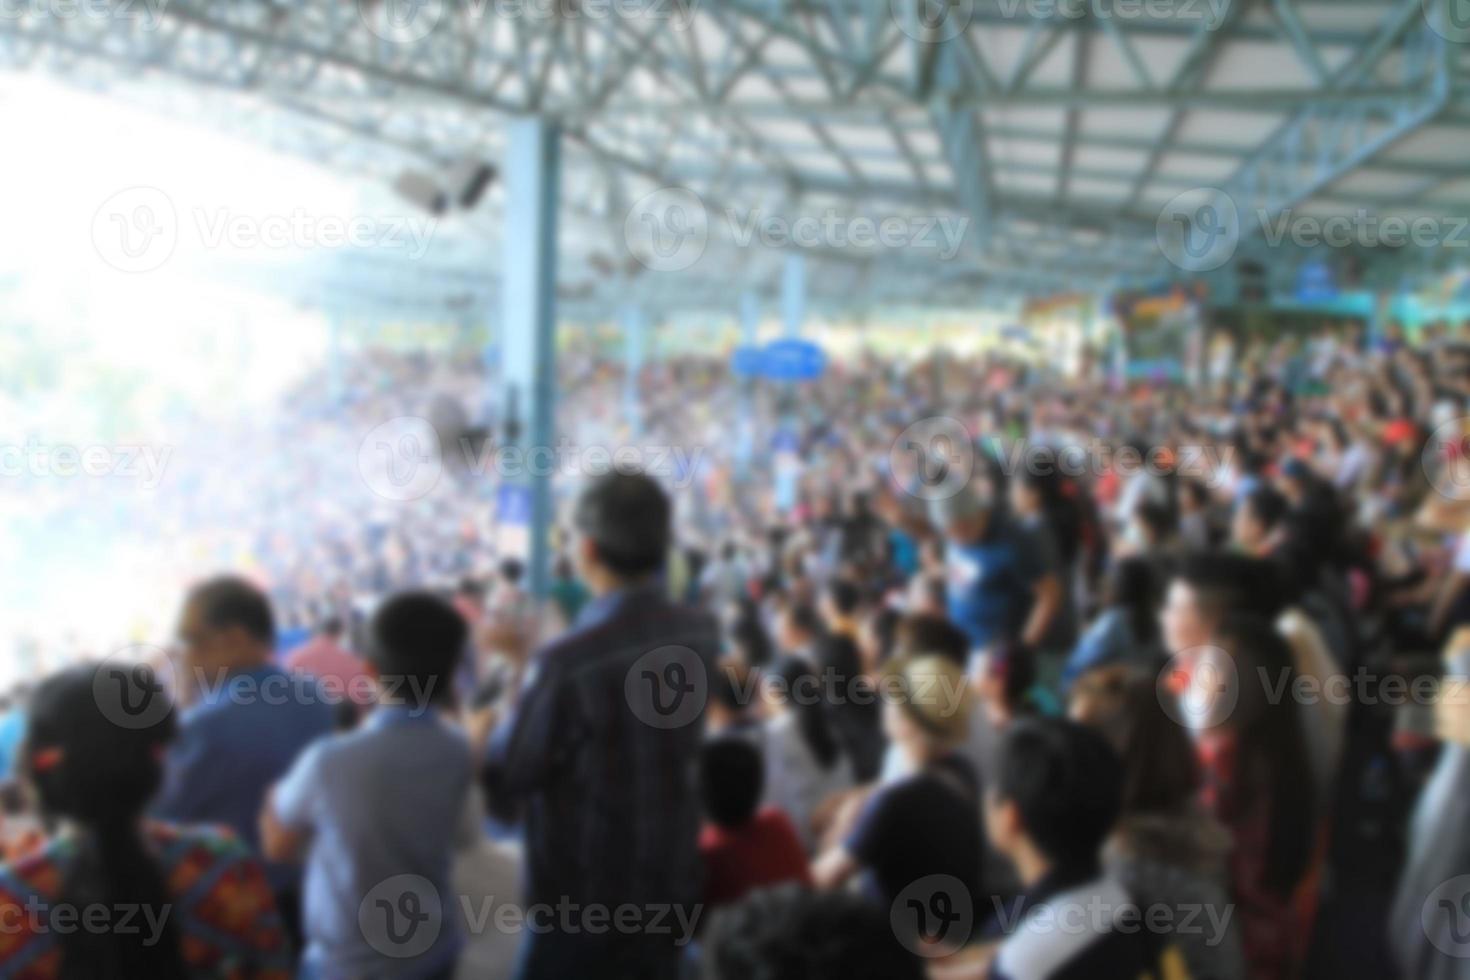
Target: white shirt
x,y
795,781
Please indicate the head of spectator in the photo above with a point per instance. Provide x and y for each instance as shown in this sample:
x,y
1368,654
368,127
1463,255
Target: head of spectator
x,y
798,629
1194,497
1132,587
749,640
790,933
624,526
1055,795
964,515
877,636
731,705
928,633
1151,526
415,641
1097,698
510,572
332,628
839,606
470,590
792,685
1202,590
1257,523
1006,678
731,781
98,777
1031,490
226,626
926,705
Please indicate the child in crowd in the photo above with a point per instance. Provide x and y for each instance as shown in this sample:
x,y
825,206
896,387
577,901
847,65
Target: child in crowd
x,y
375,812
744,846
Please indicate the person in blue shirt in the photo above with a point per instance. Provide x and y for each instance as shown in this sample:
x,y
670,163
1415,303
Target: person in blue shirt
x,y
377,812
1127,630
246,722
999,587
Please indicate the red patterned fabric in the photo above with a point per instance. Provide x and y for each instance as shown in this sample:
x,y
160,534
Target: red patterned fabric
x,y
223,912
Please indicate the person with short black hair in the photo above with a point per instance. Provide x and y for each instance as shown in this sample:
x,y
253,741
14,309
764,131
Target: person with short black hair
x,y
744,846
246,723
1055,797
603,713
732,700
1258,525
791,934
841,600
383,803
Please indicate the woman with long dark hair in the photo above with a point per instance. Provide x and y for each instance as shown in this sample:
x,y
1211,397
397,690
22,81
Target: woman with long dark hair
x,y
1258,783
132,890
1165,848
805,762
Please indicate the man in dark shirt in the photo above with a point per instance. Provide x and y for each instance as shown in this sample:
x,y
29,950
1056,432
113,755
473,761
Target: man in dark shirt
x,y
599,753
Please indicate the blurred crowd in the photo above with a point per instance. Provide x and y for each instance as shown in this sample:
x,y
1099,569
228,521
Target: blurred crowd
x,y
951,667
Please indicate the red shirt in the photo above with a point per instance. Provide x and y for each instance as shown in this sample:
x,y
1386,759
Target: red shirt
x,y
764,852
341,674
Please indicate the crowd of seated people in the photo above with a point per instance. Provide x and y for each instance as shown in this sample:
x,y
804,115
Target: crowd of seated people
x,y
1133,718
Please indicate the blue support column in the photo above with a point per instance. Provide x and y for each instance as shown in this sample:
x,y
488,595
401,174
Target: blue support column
x,y
793,293
528,334
634,328
750,322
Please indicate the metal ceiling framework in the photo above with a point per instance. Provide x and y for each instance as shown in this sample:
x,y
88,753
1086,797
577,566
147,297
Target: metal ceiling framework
x,y
1056,129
